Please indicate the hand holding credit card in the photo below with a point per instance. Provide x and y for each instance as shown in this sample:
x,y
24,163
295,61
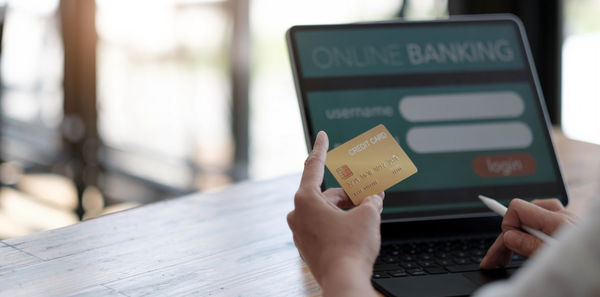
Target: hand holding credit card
x,y
369,164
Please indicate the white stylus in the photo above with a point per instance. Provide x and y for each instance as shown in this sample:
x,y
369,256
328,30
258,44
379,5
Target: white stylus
x,y
500,209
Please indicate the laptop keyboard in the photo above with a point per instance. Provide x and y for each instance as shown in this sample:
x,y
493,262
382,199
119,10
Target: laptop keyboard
x,y
434,257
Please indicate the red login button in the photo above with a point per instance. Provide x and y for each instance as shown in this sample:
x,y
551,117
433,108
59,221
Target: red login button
x,y
501,165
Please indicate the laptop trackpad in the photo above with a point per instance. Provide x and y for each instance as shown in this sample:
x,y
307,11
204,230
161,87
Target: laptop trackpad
x,y
483,277
428,286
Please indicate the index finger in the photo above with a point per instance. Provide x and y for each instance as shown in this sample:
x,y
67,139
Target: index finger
x,y
314,167
497,255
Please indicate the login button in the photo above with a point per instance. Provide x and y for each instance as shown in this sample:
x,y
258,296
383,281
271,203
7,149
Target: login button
x,y
504,165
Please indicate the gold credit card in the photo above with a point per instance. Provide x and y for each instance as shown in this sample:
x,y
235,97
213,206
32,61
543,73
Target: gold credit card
x,y
369,163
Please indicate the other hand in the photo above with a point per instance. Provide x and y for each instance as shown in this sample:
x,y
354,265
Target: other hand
x,y
338,246
546,215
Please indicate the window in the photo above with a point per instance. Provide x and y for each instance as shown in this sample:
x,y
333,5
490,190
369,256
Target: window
x,y
163,91
581,70
277,141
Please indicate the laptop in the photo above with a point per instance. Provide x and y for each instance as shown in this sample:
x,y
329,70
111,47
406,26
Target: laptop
x,y
462,98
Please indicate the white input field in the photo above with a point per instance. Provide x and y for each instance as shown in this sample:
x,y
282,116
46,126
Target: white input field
x,y
462,106
469,137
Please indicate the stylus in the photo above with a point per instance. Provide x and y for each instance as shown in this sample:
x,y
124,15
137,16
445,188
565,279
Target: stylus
x,y
500,209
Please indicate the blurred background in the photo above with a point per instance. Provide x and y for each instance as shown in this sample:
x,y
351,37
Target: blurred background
x,y
109,104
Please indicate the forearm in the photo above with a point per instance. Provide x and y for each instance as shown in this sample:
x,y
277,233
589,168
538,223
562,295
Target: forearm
x,y
347,279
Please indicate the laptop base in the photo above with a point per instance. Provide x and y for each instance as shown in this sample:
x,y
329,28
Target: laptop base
x,y
456,284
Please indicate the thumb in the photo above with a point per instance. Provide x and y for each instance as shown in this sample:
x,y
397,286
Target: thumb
x,y
373,204
521,242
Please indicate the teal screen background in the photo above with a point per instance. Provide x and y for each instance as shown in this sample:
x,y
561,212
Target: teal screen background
x,y
354,42
436,170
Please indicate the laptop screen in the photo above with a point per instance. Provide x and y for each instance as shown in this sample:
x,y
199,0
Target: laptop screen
x,y
459,96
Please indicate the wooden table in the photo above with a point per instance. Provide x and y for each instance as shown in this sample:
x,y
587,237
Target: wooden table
x,y
229,243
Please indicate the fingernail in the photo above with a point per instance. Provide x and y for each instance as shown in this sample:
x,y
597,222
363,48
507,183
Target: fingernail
x,y
317,137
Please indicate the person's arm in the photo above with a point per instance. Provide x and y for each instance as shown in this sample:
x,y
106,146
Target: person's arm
x,y
348,279
338,246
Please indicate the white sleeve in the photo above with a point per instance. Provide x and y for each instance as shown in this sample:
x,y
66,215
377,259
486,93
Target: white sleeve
x,y
571,267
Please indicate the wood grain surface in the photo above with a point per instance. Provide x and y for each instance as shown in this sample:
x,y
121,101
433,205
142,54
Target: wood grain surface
x,y
229,243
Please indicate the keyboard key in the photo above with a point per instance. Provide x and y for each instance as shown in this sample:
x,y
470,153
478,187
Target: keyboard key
x,y
444,262
398,273
459,254
442,255
463,268
426,257
427,264
407,258
417,271
477,252
409,265
435,270
380,275
386,267
461,261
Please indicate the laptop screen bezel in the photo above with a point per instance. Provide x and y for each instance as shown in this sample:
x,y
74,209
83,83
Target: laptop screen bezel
x,y
487,19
